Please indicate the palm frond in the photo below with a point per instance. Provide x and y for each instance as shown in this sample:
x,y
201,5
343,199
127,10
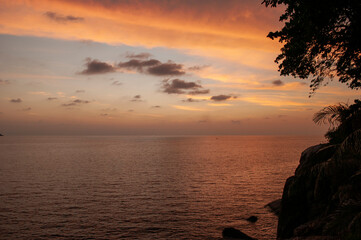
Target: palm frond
x,y
333,114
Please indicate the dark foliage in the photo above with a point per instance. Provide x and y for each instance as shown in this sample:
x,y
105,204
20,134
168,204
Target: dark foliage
x,y
344,119
321,40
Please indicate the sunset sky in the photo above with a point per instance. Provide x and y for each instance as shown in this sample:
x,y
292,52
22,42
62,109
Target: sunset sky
x,y
149,67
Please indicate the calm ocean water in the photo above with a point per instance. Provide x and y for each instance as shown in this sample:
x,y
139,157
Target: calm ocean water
x,y
142,187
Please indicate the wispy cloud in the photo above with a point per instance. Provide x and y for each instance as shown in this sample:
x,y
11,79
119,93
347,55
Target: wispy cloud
x,y
197,68
117,83
26,109
222,97
234,28
75,102
187,108
40,93
220,104
191,100
236,122
4,82
137,98
105,115
16,100
276,102
278,83
62,18
109,109
138,55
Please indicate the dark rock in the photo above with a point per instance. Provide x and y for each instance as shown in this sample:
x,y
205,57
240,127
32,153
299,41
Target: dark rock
x,y
275,206
232,233
309,152
317,238
293,207
323,198
314,155
252,219
355,226
1,135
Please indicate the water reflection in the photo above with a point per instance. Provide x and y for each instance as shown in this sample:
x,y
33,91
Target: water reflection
x,y
142,187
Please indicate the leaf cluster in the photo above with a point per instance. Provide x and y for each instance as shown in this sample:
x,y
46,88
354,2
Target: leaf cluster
x,y
344,119
321,40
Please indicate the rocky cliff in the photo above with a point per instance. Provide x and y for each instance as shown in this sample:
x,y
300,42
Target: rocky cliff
x,y
323,198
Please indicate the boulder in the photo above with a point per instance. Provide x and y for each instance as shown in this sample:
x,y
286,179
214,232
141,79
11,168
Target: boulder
x,y
275,206
323,198
252,219
232,233
314,155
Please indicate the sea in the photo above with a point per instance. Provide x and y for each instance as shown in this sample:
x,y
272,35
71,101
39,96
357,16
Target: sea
x,y
143,187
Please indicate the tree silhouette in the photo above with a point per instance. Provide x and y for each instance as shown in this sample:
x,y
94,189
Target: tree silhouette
x,y
344,119
321,40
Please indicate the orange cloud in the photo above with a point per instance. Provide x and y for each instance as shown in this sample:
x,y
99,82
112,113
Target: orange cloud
x,y
278,101
219,104
40,93
226,29
189,108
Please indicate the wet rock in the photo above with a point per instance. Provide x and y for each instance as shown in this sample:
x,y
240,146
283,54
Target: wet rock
x,y
275,206
232,233
252,219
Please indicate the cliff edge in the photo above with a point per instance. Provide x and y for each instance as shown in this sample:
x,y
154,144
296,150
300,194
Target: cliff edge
x,y
323,198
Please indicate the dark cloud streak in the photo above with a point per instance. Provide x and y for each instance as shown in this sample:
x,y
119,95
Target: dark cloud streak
x,y
167,69
278,83
116,83
197,68
191,100
75,102
4,82
221,97
153,67
139,63
16,100
139,55
61,18
197,92
137,98
97,67
177,86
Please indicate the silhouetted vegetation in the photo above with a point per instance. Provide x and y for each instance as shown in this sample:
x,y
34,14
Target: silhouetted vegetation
x,y
344,119
321,40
